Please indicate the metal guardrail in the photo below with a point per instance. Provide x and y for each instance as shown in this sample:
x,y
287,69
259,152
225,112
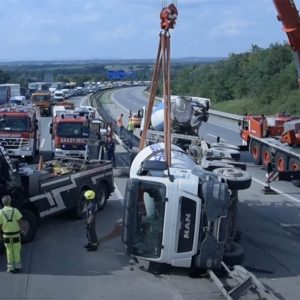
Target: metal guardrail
x,y
214,112
225,115
131,140
128,138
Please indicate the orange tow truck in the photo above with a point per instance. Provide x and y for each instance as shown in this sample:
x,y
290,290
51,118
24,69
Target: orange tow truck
x,y
273,138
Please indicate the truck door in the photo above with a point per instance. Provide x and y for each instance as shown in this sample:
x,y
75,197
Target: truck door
x,y
144,215
184,237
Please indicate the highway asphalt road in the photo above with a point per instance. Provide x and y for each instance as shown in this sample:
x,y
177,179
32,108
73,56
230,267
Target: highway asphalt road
x,y
57,267
270,224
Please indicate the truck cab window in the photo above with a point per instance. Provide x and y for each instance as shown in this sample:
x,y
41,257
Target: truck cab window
x,y
149,216
14,124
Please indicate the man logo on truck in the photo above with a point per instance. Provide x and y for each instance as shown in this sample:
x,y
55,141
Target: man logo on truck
x,y
187,225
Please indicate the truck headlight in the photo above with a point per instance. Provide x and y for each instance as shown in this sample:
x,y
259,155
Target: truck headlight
x,y
26,148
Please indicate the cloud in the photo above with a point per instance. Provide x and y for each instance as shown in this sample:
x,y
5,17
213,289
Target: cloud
x,y
229,27
130,28
118,33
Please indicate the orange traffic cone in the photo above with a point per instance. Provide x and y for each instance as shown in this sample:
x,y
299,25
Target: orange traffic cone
x,y
41,163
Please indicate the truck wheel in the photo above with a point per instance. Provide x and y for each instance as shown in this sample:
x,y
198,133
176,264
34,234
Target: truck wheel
x,y
235,255
29,226
235,178
101,196
294,165
79,210
266,156
281,161
255,150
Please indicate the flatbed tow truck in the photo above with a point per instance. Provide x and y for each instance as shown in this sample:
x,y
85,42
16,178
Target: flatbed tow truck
x,y
53,187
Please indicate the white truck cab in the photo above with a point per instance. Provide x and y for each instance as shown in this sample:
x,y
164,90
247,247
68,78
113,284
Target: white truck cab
x,y
18,101
183,215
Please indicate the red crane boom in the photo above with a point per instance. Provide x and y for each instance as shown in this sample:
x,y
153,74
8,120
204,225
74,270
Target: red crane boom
x,y
289,16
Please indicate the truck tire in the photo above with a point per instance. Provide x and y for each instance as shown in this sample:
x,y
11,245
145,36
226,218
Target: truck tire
x,y
281,162
101,196
235,256
236,179
266,156
255,151
78,211
29,226
294,165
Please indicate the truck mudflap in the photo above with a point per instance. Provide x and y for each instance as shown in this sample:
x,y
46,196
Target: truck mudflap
x,y
214,227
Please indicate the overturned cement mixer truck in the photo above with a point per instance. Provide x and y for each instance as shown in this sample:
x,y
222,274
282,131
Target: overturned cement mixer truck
x,y
187,114
182,215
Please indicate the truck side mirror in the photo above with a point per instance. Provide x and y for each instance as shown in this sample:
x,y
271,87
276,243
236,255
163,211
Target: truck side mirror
x,y
51,128
239,122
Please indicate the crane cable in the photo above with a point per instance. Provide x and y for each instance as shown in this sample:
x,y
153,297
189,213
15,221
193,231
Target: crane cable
x,y
168,18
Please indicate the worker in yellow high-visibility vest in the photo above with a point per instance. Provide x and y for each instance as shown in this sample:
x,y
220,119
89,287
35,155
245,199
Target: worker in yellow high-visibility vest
x,y
10,219
130,126
120,126
90,221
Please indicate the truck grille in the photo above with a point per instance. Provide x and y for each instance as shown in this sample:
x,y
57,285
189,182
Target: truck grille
x,y
73,147
14,143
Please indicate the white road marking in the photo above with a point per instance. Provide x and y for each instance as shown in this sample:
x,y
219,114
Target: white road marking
x,y
118,103
117,195
42,143
277,191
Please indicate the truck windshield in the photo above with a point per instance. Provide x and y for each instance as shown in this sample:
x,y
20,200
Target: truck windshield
x,y
14,124
38,98
73,130
149,219
17,102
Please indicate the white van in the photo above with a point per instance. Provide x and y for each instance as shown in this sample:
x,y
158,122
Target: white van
x,y
59,95
57,109
18,100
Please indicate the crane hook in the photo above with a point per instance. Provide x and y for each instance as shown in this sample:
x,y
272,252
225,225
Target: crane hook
x,y
168,17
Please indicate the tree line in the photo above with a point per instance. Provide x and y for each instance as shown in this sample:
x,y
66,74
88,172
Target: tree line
x,y
79,72
258,81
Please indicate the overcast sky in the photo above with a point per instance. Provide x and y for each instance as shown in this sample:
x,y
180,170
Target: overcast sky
x,y
104,29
